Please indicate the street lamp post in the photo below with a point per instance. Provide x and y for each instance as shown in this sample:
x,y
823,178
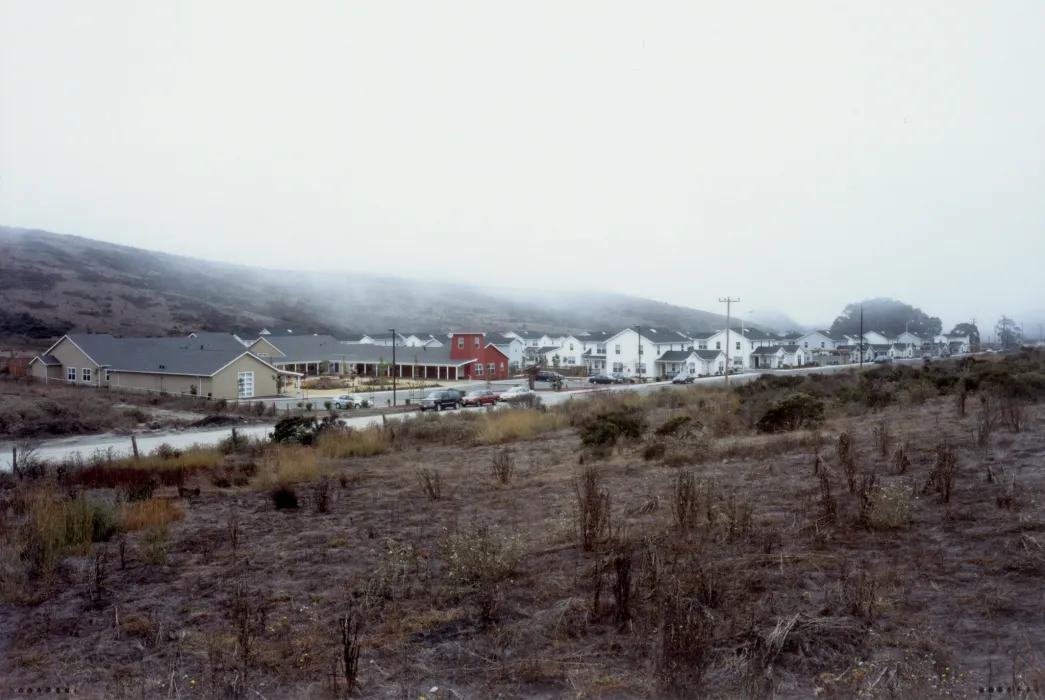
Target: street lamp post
x,y
393,330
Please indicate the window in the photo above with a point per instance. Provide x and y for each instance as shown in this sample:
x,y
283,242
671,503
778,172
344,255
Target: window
x,y
571,346
477,341
478,369
493,368
718,344
640,348
263,354
502,366
87,375
738,361
640,367
806,344
821,345
617,348
738,345
702,345
460,343
618,367
600,348
106,375
70,374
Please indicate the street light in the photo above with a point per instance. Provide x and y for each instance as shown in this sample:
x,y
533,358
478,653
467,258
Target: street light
x,y
393,331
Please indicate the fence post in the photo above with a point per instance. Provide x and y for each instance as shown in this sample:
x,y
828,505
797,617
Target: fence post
x,y
134,447
14,460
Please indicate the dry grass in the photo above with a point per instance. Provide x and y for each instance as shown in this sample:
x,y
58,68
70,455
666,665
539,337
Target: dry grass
x,y
286,464
747,576
365,442
152,513
510,425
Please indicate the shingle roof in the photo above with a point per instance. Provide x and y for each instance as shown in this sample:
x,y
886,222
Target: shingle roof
x,y
702,335
500,339
598,336
530,335
676,356
366,353
767,350
547,348
837,337
188,356
708,354
50,360
793,335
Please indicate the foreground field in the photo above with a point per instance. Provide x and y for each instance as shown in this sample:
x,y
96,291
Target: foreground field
x,y
657,546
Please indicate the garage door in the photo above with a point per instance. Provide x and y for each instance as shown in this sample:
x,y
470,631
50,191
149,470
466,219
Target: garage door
x,y
245,384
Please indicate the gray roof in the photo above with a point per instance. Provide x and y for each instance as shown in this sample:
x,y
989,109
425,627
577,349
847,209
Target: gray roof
x,y
791,349
839,337
188,356
708,354
530,335
676,356
597,336
702,335
50,360
793,335
755,334
767,350
500,339
547,348
881,347
299,350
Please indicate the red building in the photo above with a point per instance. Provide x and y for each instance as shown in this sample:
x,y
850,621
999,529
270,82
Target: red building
x,y
490,362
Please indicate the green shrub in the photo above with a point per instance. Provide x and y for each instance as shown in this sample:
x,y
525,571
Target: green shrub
x,y
654,450
609,427
675,425
791,413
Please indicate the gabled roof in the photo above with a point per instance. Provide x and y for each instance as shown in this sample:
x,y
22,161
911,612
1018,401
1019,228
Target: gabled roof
x,y
708,354
755,334
49,360
548,348
792,349
308,348
193,356
767,350
837,337
792,335
501,339
531,335
676,355
702,335
880,347
598,336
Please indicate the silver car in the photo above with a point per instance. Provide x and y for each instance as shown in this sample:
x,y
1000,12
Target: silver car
x,y
350,401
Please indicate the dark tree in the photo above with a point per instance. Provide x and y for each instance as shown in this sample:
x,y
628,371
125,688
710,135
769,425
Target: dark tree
x,y
887,316
970,330
1009,334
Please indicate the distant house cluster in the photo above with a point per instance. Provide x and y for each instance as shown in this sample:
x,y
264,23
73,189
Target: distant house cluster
x,y
228,366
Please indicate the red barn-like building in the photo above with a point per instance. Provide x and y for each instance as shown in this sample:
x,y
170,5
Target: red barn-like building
x,y
490,362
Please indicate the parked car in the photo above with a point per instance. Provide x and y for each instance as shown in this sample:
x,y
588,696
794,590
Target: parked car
x,y
438,400
619,378
927,357
601,379
883,360
350,401
516,392
549,377
683,378
483,397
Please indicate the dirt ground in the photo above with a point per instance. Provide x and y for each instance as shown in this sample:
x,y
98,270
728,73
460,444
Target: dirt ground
x,y
797,598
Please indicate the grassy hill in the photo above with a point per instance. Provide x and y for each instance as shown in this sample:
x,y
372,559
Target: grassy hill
x,y
51,283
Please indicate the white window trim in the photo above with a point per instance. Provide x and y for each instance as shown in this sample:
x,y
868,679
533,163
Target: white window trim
x,y
70,371
86,375
460,343
478,369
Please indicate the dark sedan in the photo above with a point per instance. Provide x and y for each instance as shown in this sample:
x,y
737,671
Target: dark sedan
x,y
601,379
438,400
683,379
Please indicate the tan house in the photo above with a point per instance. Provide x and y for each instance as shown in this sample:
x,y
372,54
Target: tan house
x,y
212,365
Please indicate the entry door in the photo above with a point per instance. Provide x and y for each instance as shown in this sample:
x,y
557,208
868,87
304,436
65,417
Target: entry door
x,y
245,385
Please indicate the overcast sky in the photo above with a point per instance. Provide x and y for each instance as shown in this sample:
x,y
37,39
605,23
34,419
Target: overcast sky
x,y
797,155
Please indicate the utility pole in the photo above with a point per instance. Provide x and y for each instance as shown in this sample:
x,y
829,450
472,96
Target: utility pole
x,y
860,345
639,363
393,330
728,301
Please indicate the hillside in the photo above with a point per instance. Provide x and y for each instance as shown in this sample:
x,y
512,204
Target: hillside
x,y
51,283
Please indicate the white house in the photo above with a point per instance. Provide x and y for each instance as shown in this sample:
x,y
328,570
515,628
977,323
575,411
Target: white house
x,y
955,342
902,351
694,362
423,340
739,347
767,357
823,340
595,350
700,339
795,355
631,355
384,339
668,341
877,338
532,341
569,354
908,338
510,346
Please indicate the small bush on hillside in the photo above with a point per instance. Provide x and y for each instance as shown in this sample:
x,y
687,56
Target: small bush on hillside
x,y
654,450
303,430
284,497
791,413
675,426
609,427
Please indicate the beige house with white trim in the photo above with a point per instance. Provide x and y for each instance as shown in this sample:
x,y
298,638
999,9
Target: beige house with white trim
x,y
211,365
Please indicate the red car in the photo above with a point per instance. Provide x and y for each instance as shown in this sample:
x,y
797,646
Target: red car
x,y
479,398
